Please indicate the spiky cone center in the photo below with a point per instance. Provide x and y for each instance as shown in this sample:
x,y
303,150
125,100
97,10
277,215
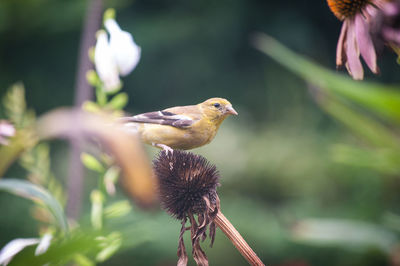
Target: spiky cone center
x,y
188,187
184,180
343,9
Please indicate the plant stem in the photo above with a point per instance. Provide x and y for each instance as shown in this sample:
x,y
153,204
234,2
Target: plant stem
x,y
83,92
229,230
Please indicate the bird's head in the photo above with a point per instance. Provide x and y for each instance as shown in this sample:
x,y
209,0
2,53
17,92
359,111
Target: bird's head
x,y
217,109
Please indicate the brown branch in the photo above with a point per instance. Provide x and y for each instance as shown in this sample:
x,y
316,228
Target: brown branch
x,y
229,230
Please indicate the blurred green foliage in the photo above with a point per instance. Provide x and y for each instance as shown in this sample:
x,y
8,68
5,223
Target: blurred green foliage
x,y
326,149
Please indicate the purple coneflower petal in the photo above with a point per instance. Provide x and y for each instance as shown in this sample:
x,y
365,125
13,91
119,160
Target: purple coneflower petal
x,y
370,11
353,64
391,35
339,49
391,9
364,42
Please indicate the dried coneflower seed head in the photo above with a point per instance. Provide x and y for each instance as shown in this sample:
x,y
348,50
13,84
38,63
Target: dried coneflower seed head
x,y
188,188
184,180
346,8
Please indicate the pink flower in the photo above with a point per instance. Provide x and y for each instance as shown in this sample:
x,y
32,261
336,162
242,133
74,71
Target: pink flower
x,y
6,130
355,37
385,26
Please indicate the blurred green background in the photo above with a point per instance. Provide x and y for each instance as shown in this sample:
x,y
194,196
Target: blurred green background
x,y
275,158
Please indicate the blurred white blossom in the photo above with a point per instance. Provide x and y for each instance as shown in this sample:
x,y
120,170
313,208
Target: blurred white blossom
x,y
126,51
14,247
105,63
44,244
17,245
115,57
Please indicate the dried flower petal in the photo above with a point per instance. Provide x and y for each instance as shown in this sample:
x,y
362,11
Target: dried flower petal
x,y
137,177
182,255
340,55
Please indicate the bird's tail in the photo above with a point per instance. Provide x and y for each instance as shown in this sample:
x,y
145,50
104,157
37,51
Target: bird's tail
x,y
128,124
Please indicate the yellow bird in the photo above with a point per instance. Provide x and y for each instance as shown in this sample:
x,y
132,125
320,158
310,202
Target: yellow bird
x,y
181,127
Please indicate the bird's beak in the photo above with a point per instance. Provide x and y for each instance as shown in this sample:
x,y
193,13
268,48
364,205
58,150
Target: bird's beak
x,y
230,110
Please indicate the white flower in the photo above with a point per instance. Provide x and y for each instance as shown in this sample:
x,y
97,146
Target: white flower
x,y
14,247
126,51
44,244
105,63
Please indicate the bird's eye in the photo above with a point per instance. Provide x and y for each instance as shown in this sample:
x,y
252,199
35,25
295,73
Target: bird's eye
x,y
217,105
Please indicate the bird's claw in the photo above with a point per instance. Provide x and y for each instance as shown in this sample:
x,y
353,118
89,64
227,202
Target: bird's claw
x,y
164,147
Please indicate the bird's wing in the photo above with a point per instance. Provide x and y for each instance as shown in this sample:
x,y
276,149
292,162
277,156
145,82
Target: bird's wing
x,y
180,117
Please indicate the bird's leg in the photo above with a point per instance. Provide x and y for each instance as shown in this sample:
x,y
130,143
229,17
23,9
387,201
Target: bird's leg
x,y
164,147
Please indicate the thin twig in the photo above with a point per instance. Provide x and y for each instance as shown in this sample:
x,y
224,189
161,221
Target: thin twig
x,y
229,230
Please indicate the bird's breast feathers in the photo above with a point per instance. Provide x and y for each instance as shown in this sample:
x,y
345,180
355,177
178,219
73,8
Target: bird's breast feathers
x,y
178,138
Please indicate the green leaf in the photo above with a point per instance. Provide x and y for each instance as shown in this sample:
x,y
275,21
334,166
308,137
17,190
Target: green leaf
x,y
367,128
82,260
396,49
109,14
344,233
110,245
119,101
392,220
383,160
112,174
62,250
97,199
15,105
38,195
118,209
382,99
101,96
111,178
37,162
91,163
90,106
92,77
23,140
